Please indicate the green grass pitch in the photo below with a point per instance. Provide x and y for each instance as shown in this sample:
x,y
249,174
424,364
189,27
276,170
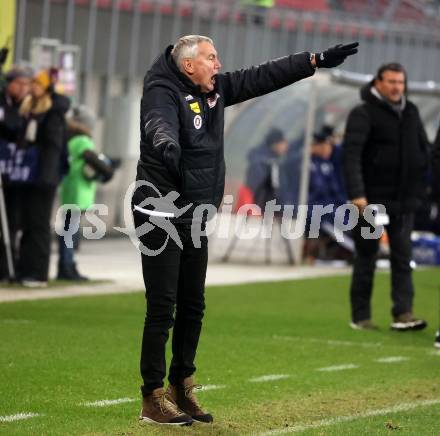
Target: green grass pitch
x,y
57,355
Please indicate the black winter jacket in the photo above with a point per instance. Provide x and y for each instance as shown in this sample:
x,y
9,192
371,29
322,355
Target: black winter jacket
x,y
436,165
385,156
11,122
50,139
182,128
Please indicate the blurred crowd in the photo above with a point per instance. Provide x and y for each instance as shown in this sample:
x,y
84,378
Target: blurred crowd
x,y
274,172
45,144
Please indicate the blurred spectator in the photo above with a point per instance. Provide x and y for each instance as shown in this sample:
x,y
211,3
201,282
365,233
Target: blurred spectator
x,y
325,188
436,164
325,183
436,177
266,180
257,9
385,161
76,188
436,190
45,128
17,86
61,103
264,174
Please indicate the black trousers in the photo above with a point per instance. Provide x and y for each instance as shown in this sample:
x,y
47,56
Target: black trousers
x,y
402,288
175,286
13,194
34,254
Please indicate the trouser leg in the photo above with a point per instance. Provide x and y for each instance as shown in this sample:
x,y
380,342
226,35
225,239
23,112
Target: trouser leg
x,y
402,288
161,274
363,271
189,309
35,242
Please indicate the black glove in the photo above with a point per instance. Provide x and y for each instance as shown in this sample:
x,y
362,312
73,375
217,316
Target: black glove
x,y
3,55
334,56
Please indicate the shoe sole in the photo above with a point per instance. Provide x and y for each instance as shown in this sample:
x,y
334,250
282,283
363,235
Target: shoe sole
x,y
145,420
405,326
354,326
34,285
197,421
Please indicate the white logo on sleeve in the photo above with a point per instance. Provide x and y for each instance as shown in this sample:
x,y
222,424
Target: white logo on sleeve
x,y
212,101
197,122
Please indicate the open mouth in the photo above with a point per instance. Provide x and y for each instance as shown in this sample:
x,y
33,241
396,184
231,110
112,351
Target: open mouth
x,y
213,80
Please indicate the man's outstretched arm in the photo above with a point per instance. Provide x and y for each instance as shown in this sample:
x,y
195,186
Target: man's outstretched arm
x,y
248,83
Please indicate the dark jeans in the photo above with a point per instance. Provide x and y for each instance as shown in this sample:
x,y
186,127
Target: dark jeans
x,y
402,289
66,254
175,285
35,241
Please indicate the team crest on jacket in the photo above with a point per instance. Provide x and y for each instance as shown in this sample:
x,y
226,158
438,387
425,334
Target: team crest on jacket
x,y
212,101
197,122
195,107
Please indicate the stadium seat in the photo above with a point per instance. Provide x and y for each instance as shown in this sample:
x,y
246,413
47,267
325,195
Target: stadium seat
x,y
310,5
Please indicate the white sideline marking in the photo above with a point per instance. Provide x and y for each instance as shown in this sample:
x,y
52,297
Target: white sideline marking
x,y
434,352
330,341
18,417
15,321
335,342
103,403
339,419
338,367
269,377
392,359
211,387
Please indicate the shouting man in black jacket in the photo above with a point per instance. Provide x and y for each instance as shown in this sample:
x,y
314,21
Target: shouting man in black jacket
x,y
385,159
182,167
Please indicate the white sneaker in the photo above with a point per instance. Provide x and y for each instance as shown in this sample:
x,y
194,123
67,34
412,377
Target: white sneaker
x,y
33,283
407,321
437,340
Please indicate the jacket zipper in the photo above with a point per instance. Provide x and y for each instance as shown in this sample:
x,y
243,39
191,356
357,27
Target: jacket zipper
x,y
205,118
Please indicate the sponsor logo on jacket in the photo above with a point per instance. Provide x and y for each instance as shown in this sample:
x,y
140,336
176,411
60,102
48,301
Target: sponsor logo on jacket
x,y
212,101
195,107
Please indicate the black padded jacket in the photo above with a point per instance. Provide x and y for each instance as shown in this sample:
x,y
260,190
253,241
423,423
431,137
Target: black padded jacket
x,y
181,147
385,155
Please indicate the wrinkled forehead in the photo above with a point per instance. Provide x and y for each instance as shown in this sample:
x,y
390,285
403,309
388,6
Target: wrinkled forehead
x,y
206,49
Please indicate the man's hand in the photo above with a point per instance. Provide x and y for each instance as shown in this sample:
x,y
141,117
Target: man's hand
x,y
360,202
334,56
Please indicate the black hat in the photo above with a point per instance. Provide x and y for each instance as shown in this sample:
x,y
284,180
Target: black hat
x,y
323,134
273,136
18,72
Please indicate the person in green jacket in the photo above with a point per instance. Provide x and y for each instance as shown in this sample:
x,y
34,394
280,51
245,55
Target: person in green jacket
x,y
76,188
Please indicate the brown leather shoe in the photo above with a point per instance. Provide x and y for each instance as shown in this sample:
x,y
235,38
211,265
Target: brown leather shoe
x,y
183,397
157,409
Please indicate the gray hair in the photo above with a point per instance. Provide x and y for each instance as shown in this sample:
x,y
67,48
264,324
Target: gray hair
x,y
187,47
